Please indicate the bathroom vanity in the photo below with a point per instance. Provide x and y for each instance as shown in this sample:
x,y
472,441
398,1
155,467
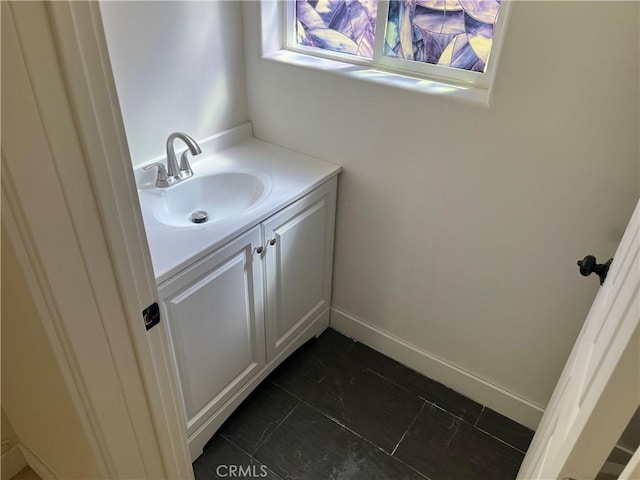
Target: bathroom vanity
x,y
241,291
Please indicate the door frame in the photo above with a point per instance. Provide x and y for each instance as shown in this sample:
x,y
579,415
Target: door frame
x,y
597,406
66,126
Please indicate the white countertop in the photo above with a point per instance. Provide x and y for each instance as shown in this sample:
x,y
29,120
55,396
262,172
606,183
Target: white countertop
x,y
290,176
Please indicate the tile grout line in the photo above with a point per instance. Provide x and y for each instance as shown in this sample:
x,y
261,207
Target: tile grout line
x,y
247,453
382,450
393,382
426,401
288,391
421,397
333,419
408,428
337,422
476,427
251,455
501,441
475,424
265,440
459,417
235,445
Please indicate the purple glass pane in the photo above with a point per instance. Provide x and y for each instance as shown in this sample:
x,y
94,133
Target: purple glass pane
x,y
453,33
346,26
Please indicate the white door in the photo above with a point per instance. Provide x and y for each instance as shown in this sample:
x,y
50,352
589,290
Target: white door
x,y
599,388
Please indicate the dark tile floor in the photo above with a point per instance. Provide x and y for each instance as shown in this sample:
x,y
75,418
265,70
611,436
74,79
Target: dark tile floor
x,y
337,409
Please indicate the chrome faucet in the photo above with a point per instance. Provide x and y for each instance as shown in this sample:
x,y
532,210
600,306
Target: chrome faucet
x,y
184,169
174,172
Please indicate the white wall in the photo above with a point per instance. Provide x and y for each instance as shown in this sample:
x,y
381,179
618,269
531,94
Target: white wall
x,y
178,66
458,226
34,394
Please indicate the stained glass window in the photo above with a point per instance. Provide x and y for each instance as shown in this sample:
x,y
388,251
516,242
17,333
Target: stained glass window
x,y
451,33
345,26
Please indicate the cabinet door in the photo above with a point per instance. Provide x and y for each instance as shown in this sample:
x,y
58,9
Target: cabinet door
x,y
214,311
298,265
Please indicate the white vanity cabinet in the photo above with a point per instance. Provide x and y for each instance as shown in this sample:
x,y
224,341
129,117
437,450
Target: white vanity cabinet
x,y
299,258
214,310
234,315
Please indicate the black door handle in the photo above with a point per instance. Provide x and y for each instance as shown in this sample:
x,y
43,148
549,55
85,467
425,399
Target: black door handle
x,y
588,266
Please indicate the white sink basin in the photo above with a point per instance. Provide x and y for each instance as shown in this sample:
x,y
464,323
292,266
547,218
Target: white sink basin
x,y
221,195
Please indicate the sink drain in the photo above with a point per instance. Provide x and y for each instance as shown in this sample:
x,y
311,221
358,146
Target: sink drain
x,y
199,216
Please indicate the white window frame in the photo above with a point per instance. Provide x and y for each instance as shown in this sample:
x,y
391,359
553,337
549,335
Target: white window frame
x,y
278,44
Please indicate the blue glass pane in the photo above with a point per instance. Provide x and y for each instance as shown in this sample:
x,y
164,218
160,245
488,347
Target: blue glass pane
x,y
452,33
346,26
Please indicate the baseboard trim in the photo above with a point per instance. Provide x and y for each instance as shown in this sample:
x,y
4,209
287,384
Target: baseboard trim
x,y
13,462
466,383
36,465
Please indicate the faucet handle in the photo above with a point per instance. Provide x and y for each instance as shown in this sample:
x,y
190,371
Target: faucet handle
x,y
185,167
162,180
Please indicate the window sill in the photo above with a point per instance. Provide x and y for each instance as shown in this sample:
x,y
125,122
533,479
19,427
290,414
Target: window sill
x,y
465,94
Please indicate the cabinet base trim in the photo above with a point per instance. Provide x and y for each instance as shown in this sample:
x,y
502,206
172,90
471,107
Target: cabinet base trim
x,y
466,383
198,440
